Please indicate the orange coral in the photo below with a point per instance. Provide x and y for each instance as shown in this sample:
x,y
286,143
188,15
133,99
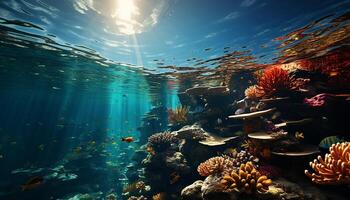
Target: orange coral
x,y
335,168
179,115
215,165
253,92
275,81
247,180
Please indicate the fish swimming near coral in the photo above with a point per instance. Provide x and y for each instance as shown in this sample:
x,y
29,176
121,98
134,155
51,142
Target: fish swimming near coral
x,y
32,183
329,141
128,139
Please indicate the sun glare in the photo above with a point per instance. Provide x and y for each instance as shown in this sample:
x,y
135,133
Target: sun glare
x,y
126,10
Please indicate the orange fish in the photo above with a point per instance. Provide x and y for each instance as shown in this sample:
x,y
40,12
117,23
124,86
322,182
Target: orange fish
x,y
128,139
32,183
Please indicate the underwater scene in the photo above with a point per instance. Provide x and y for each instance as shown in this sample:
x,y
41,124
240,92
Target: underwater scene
x,y
174,99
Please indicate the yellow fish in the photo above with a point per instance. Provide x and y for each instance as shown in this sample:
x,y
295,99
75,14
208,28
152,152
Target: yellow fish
x,y
299,136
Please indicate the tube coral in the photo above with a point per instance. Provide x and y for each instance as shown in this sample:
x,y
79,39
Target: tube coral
x,y
246,180
334,168
179,115
215,165
161,141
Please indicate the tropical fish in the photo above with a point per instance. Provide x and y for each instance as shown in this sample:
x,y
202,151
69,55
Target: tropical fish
x,y
32,183
128,139
328,141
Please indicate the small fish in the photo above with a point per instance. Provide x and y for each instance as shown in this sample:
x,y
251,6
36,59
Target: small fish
x,y
32,183
328,141
207,49
174,177
299,136
56,88
128,139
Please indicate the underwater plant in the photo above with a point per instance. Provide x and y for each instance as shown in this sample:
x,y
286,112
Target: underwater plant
x,y
253,92
215,165
246,180
334,168
275,81
241,157
161,141
179,115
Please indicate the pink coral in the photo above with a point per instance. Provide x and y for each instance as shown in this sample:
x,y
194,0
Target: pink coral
x,y
319,100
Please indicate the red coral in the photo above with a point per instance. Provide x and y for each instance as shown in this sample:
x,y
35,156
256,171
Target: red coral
x,y
275,81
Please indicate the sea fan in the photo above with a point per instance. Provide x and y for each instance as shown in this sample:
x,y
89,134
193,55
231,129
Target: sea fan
x,y
161,141
215,165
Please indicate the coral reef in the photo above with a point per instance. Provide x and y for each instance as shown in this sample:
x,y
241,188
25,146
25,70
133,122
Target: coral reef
x,y
215,165
161,141
334,168
246,180
275,81
253,92
179,115
241,157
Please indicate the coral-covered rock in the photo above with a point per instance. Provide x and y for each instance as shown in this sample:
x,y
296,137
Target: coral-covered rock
x,y
193,191
212,189
215,165
161,141
177,162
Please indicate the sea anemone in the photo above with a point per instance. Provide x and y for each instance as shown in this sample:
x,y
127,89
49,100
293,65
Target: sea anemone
x,y
179,115
161,141
246,180
334,168
215,165
253,92
275,81
241,157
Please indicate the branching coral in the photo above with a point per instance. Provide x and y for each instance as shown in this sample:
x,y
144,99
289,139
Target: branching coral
x,y
215,165
161,141
241,157
275,81
179,115
246,180
253,92
334,168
